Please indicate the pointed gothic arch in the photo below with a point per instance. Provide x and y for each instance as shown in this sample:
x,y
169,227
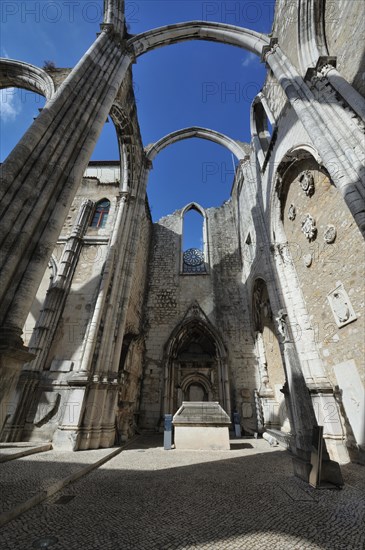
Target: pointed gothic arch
x,y
200,258
195,355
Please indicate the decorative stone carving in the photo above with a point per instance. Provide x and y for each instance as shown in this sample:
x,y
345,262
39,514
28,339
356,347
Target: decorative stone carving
x,y
292,212
307,259
306,181
265,389
261,307
282,322
342,309
330,234
309,227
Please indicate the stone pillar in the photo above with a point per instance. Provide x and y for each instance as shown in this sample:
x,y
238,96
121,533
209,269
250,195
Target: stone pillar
x,y
303,418
109,312
114,349
39,180
302,414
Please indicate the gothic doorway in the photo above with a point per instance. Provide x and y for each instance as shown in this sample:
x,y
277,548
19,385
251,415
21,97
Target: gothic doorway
x,y
195,364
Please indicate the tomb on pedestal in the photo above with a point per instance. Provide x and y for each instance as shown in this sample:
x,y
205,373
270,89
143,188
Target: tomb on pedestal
x,y
201,425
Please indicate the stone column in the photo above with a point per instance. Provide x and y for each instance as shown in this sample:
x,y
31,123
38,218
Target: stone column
x,y
110,269
121,291
39,180
299,400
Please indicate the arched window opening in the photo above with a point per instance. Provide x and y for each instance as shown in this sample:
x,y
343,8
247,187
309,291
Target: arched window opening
x,y
194,241
262,127
101,213
107,146
18,109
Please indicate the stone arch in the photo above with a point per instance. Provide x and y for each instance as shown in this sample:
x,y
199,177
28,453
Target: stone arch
x,y
193,206
129,169
199,380
198,30
196,132
17,74
195,351
347,175
311,32
285,167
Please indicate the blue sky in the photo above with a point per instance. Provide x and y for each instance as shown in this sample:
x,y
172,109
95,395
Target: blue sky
x,y
194,83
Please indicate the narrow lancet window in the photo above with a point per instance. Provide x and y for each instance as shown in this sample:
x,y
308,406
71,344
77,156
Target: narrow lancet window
x,y
194,253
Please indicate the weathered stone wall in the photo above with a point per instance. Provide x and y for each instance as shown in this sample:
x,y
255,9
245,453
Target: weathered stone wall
x,y
232,310
345,30
275,96
219,293
135,319
130,387
83,293
329,264
285,28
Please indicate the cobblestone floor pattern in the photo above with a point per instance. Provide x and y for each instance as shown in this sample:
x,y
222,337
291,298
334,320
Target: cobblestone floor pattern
x,y
150,499
24,477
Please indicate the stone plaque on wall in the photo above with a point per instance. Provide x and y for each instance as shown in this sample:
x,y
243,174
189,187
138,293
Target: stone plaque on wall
x,y
342,309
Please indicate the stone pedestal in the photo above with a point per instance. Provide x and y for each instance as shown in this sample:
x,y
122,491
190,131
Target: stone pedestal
x,y
201,425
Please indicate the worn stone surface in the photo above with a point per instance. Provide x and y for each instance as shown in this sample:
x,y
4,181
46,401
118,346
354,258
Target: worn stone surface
x,y
148,498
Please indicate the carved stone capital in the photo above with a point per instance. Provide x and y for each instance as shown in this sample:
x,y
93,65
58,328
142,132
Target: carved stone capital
x,y
324,64
269,49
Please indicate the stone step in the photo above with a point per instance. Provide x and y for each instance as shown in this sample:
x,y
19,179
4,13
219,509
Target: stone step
x,y
283,438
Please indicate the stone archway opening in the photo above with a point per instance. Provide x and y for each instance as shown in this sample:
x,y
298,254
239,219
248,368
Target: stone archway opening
x,y
194,374
195,367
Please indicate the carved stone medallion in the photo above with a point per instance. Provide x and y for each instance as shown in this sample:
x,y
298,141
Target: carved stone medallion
x,y
306,181
292,212
309,227
330,234
307,259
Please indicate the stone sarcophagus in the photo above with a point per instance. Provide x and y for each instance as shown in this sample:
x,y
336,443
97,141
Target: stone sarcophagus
x,y
201,425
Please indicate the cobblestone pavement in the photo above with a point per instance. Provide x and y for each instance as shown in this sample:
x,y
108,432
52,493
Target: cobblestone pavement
x,y
23,478
147,498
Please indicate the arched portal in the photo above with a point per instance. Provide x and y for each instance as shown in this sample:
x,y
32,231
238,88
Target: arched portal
x,y
195,364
